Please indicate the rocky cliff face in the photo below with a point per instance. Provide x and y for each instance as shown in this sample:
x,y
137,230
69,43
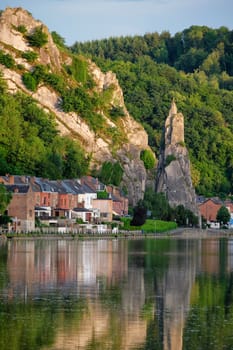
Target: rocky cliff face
x,y
173,172
13,42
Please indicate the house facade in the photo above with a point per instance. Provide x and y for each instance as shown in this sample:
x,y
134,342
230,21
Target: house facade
x,y
21,207
209,209
52,200
105,208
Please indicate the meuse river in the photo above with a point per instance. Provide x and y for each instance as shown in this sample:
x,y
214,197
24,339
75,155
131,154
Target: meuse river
x,y
140,294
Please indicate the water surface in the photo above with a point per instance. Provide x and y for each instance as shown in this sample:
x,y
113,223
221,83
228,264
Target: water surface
x,y
144,294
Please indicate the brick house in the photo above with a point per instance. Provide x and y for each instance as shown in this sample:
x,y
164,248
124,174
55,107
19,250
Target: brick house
x,y
209,208
120,203
21,207
105,208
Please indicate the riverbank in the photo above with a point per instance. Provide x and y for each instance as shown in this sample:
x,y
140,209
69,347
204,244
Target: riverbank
x,y
175,234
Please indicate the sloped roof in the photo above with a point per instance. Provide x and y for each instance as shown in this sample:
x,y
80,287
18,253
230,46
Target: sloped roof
x,y
87,189
18,188
73,186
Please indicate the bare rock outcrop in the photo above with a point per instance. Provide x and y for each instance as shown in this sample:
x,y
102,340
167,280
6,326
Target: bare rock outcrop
x,y
173,172
14,42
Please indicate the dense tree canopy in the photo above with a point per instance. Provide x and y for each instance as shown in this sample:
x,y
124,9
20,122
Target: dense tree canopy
x,y
196,68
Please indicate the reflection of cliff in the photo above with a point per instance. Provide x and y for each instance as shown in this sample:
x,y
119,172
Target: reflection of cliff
x,y
174,292
100,326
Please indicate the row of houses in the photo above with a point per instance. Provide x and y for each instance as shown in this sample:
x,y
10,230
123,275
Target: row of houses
x,y
209,208
49,200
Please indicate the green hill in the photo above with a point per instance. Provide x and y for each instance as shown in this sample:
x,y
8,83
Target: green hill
x,y
195,67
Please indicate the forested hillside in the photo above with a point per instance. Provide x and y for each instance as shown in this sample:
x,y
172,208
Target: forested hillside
x,y
196,68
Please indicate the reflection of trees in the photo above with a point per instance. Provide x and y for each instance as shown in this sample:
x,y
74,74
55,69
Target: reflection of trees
x,y
211,316
34,324
3,260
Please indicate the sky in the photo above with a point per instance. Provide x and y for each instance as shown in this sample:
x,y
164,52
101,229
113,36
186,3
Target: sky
x,y
86,20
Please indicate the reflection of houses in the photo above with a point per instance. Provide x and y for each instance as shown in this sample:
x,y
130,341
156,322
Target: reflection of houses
x,y
83,271
210,256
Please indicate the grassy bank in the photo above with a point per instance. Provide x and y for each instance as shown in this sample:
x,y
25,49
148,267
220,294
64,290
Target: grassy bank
x,y
151,226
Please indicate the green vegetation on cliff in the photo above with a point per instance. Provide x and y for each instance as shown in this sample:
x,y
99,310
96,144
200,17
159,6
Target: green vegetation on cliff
x,y
30,144
196,68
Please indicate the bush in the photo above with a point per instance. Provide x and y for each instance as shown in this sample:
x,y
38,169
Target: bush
x,y
139,214
22,29
55,81
38,38
6,60
20,67
117,111
181,143
58,40
111,173
148,159
30,56
102,195
170,158
29,81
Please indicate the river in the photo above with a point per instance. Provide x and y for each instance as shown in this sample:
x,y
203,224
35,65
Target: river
x,y
116,294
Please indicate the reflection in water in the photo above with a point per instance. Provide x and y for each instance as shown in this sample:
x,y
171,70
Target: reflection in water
x,y
175,289
113,294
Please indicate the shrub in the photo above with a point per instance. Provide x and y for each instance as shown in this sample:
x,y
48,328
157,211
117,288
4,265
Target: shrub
x,y
181,143
102,195
6,60
170,158
111,173
38,38
20,67
139,214
39,73
117,111
57,39
148,159
55,81
22,29
29,81
30,56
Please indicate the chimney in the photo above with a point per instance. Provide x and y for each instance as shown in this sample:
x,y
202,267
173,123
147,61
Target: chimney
x,y
11,179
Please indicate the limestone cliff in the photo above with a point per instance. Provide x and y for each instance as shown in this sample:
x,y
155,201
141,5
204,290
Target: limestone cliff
x,y
134,139
173,172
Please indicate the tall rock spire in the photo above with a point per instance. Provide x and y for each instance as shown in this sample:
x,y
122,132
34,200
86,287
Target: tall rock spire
x,y
173,172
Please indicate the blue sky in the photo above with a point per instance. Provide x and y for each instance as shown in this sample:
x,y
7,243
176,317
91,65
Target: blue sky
x,y
83,20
